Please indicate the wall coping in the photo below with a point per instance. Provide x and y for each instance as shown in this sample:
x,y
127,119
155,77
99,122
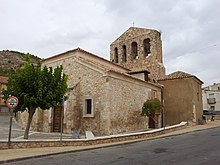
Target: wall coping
x,y
102,137
40,143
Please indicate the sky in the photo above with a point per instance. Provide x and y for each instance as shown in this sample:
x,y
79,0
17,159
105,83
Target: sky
x,y
190,29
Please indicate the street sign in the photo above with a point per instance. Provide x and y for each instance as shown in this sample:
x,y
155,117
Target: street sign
x,y
12,102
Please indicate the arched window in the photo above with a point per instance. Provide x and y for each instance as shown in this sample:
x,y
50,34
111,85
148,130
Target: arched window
x,y
124,54
146,47
116,55
134,50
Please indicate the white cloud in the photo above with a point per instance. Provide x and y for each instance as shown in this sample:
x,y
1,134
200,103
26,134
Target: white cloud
x,y
190,29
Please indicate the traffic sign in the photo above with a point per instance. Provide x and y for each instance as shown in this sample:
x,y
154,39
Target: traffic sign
x,y
12,102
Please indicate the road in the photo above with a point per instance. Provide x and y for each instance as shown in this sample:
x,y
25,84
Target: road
x,y
196,148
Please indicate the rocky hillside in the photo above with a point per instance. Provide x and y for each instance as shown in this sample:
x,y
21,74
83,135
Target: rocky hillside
x,y
13,59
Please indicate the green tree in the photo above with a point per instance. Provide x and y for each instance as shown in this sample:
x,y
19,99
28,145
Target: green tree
x,y
36,87
150,107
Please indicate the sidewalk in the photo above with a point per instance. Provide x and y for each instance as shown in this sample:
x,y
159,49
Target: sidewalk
x,y
20,154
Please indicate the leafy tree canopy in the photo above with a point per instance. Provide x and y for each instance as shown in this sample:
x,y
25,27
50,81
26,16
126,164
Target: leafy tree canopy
x,y
36,87
150,107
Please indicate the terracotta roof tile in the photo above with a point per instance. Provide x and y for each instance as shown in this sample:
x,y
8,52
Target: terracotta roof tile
x,y
91,54
179,75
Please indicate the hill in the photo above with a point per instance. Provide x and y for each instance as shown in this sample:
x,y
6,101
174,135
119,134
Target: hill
x,y
13,59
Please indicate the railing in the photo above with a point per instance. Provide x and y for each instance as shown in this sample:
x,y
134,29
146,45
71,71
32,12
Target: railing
x,y
211,101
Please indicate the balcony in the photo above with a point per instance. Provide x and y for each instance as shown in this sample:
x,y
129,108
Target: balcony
x,y
211,101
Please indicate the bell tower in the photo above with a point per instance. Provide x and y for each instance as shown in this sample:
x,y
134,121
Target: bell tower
x,y
139,49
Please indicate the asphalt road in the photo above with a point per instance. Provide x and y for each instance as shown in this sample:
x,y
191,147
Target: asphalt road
x,y
196,148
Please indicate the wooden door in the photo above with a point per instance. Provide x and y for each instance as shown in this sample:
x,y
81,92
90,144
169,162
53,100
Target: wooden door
x,y
151,123
57,119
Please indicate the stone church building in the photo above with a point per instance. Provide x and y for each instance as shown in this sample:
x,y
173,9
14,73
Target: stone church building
x,y
106,97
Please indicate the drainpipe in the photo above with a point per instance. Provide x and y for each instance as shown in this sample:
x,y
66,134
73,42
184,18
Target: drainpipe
x,y
162,103
62,116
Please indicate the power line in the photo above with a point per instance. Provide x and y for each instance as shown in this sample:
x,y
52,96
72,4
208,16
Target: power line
x,y
214,45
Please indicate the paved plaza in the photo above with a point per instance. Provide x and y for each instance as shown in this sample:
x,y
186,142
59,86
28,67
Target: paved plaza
x,y
17,133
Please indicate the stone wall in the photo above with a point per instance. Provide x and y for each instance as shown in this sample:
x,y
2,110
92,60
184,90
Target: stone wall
x,y
182,100
84,82
153,62
117,99
125,100
88,142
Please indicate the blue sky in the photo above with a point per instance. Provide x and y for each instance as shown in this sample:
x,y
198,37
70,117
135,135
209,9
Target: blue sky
x,y
190,29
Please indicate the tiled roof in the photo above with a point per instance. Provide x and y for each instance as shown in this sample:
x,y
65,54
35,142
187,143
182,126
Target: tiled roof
x,y
3,79
113,68
91,54
179,75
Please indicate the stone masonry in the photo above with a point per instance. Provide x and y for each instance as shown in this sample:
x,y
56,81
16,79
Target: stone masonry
x,y
117,97
106,97
139,49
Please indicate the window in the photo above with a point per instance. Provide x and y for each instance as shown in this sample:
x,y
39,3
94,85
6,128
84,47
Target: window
x,y
212,108
145,76
88,108
134,49
198,96
124,54
146,47
153,94
116,55
198,93
211,95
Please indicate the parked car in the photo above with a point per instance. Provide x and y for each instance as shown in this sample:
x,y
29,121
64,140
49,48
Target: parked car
x,y
209,112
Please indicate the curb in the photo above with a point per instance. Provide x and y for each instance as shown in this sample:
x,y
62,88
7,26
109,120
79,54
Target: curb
x,y
99,147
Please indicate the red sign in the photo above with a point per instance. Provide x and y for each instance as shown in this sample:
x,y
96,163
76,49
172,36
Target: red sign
x,y
12,102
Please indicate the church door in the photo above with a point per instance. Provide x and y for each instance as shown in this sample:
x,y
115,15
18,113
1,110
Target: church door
x,y
57,119
151,123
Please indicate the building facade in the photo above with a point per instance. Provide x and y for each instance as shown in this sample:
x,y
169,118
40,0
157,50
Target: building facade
x,y
106,97
182,98
211,98
3,82
103,97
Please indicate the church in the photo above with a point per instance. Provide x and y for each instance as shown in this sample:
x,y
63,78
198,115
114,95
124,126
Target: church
x,y
106,96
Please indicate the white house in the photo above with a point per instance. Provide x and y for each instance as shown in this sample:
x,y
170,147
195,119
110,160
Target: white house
x,y
211,97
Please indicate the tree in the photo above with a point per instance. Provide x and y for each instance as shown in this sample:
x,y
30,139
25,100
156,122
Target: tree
x,y
36,87
150,107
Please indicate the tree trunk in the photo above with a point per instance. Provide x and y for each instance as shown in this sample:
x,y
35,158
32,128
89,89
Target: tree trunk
x,y
30,117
